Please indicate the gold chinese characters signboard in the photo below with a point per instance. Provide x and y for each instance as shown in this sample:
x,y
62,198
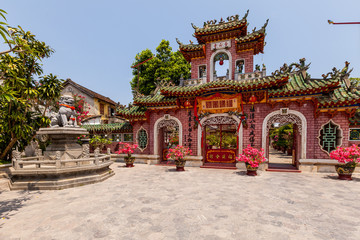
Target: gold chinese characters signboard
x,y
220,103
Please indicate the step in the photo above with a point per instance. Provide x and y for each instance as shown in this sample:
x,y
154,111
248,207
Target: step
x,y
219,167
283,170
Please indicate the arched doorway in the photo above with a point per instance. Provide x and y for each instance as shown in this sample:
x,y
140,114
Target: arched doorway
x,y
298,122
168,136
219,141
166,129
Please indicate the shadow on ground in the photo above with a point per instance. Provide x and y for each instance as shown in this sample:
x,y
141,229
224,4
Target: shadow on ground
x,y
241,173
10,207
335,177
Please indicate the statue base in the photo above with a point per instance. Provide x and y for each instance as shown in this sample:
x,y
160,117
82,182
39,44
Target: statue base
x,y
63,140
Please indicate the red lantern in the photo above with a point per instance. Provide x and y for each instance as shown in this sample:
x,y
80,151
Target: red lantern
x,y
221,61
187,104
252,99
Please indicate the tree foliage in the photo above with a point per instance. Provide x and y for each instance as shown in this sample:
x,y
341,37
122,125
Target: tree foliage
x,y
165,65
23,99
100,142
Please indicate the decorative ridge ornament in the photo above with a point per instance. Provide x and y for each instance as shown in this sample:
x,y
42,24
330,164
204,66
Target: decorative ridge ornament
x,y
194,27
266,23
343,75
286,69
233,18
246,14
178,41
229,19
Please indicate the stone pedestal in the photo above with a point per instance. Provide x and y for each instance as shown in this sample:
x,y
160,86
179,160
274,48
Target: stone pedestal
x,y
63,140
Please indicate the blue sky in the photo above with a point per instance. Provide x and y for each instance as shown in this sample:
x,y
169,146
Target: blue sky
x,y
95,42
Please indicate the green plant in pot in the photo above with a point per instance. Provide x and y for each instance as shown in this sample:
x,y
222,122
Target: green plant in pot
x,y
348,157
128,149
99,142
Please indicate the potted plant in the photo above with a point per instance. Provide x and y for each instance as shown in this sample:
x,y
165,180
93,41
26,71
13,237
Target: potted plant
x,y
252,158
100,142
348,157
128,149
178,154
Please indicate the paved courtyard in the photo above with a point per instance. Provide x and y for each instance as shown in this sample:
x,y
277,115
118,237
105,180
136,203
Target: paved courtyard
x,y
155,202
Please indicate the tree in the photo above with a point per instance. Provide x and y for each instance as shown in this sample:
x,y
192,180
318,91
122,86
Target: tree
x,y
165,65
24,101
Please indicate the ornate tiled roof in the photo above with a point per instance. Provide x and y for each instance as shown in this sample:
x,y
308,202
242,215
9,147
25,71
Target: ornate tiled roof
x,y
212,26
214,31
190,51
254,40
340,97
298,86
254,35
190,47
133,113
154,100
114,127
245,85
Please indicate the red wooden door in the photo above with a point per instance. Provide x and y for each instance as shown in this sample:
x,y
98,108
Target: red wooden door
x,y
220,143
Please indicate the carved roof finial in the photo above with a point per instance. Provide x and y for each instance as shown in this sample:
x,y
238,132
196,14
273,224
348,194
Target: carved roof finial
x,y
266,23
178,41
195,27
246,14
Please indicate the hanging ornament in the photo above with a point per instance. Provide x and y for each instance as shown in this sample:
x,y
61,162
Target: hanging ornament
x,y
221,61
252,101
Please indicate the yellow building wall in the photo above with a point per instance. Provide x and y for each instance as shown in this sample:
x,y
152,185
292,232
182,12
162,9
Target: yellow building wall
x,y
105,115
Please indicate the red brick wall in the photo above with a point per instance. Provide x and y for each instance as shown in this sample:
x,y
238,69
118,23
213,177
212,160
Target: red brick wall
x,y
195,63
182,115
261,111
313,150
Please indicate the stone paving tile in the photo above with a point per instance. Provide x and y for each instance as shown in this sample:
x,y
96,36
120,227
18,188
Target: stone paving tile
x,y
279,157
155,202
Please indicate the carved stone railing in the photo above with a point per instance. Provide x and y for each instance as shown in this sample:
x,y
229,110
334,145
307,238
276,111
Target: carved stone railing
x,y
247,76
38,162
192,82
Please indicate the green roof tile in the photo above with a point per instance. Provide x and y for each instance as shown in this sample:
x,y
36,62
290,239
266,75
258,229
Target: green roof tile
x,y
118,127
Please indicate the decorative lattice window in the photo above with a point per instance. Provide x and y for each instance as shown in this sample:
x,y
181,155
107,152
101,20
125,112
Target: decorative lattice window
x,y
128,137
330,136
142,139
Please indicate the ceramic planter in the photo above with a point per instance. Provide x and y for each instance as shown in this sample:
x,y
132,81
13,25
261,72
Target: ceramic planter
x,y
345,170
251,171
180,164
129,161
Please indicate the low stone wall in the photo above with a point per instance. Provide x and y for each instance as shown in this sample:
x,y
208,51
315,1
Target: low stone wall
x,y
191,161
320,165
37,173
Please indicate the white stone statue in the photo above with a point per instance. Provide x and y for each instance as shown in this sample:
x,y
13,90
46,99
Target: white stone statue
x,y
66,116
